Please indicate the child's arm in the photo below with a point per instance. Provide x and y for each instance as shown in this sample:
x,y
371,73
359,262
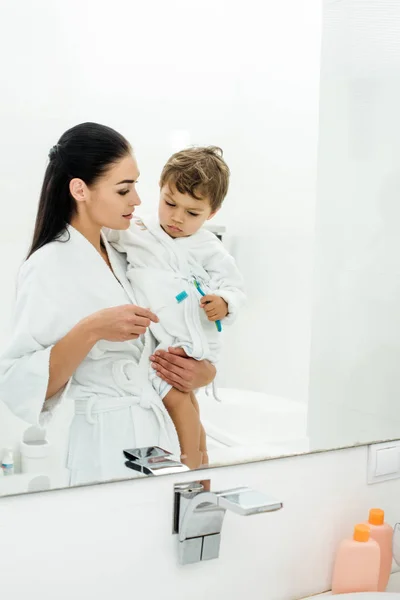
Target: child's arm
x,y
226,283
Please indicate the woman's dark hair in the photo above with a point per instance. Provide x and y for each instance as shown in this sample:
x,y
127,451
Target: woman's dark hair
x,y
85,151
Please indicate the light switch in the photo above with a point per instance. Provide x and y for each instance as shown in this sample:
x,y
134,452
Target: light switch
x,y
383,462
387,461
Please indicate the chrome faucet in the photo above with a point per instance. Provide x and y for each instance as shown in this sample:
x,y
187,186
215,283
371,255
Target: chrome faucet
x,y
199,514
153,461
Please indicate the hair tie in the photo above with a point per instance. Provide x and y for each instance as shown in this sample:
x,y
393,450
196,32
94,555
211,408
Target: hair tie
x,y
53,152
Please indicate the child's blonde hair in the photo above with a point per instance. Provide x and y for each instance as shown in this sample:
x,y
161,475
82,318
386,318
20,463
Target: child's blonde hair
x,y
200,172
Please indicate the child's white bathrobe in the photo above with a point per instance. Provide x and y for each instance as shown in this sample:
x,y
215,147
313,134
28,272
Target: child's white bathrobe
x,y
115,405
160,268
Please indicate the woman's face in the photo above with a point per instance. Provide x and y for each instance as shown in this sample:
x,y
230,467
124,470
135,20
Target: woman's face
x,y
111,201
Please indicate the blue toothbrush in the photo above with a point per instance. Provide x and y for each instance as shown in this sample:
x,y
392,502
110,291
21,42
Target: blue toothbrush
x,y
217,323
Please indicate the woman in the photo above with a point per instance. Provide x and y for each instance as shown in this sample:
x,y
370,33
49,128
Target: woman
x,y
78,334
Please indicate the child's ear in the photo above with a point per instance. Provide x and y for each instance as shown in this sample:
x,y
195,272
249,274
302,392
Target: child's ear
x,y
212,214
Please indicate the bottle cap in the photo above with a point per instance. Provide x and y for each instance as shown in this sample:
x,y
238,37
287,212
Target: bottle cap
x,y
8,456
376,516
361,533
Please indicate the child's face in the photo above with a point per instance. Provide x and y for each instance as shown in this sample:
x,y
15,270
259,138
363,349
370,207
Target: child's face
x,y
181,215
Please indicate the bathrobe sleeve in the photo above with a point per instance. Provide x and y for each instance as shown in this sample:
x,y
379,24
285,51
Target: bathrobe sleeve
x,y
226,280
24,364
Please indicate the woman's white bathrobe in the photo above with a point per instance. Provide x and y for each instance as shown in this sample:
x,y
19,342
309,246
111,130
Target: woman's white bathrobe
x,y
115,405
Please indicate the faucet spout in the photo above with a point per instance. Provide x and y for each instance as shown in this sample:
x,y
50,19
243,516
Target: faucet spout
x,y
152,461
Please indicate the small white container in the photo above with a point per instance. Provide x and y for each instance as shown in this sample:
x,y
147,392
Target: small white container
x,y
35,451
7,462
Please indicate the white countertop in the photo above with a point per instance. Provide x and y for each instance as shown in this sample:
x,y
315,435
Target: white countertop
x,y
394,586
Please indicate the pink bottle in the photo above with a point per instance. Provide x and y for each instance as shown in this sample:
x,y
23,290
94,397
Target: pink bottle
x,y
357,564
382,533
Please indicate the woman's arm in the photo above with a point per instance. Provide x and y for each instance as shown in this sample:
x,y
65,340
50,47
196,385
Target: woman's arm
x,y
39,358
184,373
67,354
117,324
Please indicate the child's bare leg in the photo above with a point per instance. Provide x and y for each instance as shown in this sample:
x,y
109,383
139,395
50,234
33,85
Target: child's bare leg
x,y
187,423
203,446
202,441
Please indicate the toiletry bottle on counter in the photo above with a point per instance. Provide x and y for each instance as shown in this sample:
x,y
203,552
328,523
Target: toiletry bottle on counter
x,y
35,451
357,563
382,533
7,463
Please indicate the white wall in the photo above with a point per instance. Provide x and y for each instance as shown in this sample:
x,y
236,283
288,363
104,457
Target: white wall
x,y
115,540
355,376
246,79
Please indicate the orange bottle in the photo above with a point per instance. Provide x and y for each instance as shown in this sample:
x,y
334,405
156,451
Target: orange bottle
x,y
382,533
357,563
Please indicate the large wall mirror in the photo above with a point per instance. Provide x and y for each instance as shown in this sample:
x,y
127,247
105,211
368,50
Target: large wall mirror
x,y
302,97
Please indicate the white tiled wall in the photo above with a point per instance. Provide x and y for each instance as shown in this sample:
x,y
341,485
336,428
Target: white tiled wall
x,y
115,541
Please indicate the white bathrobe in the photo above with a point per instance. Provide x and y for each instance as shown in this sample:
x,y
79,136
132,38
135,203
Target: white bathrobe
x,y
115,405
160,268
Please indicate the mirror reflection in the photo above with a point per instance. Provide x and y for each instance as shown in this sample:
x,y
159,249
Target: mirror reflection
x,y
199,246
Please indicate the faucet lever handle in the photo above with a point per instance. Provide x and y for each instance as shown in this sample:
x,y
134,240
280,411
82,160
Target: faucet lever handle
x,y
246,501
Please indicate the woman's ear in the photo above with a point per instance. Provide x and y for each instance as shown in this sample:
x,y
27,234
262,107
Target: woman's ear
x,y
78,190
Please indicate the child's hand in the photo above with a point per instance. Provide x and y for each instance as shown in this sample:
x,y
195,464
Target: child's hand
x,y
216,308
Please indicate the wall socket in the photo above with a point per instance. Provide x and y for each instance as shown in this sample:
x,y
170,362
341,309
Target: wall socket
x,y
383,462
